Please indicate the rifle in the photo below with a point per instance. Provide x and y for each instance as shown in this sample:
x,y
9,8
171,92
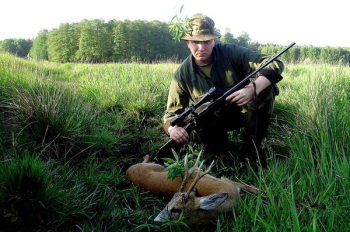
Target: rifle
x,y
197,119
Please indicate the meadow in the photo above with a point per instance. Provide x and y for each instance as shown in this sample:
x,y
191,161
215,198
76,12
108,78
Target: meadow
x,y
69,131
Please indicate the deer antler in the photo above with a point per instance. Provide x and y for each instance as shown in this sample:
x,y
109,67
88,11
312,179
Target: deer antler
x,y
199,175
188,172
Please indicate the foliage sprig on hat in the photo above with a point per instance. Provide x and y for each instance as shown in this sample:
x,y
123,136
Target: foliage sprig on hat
x,y
179,27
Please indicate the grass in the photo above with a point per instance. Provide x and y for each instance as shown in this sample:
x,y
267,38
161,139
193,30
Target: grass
x,y
27,194
73,129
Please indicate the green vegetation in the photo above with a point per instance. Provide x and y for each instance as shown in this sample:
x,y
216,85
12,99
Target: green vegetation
x,y
94,41
69,131
310,54
18,47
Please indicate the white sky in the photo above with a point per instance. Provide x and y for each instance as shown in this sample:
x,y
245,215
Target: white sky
x,y
306,22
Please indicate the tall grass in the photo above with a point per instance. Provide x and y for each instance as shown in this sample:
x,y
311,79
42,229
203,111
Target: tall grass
x,y
27,196
109,116
52,117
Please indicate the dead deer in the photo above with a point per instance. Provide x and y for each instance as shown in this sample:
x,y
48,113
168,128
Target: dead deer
x,y
197,196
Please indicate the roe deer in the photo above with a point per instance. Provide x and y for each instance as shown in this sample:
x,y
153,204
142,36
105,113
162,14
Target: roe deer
x,y
196,198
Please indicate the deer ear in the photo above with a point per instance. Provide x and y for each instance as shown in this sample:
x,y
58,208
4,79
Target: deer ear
x,y
213,201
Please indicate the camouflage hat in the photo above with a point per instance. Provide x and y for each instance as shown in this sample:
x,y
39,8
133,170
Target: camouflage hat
x,y
202,29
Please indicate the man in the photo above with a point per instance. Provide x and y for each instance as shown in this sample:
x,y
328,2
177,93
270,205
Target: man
x,y
222,65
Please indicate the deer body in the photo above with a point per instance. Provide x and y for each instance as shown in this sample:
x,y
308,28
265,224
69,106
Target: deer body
x,y
212,194
154,178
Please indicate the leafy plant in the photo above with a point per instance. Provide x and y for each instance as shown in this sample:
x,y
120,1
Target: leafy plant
x,y
175,167
169,225
179,27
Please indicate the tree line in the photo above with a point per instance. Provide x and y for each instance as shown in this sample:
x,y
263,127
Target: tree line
x,y
96,41
18,47
296,54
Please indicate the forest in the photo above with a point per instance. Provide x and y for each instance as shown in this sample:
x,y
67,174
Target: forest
x,y
97,41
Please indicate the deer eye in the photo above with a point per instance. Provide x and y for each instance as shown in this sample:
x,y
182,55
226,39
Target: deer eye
x,y
174,210
175,213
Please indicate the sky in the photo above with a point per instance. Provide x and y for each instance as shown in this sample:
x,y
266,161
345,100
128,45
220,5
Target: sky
x,y
306,22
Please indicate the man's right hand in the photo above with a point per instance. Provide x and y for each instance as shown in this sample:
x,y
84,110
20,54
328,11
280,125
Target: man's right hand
x,y
178,134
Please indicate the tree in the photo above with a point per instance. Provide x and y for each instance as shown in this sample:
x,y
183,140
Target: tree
x,y
39,48
8,45
63,43
145,41
228,38
23,46
18,47
243,39
121,40
95,42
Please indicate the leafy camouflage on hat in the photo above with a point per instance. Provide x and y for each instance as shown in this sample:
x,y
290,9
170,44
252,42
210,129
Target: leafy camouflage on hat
x,y
203,29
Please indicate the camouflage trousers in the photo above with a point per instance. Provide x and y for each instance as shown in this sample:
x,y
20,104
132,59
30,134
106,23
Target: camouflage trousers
x,y
252,125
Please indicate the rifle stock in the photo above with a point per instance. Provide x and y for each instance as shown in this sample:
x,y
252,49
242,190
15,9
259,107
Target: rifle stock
x,y
198,118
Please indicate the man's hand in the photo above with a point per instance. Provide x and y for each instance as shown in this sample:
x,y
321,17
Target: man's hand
x,y
178,134
246,95
242,96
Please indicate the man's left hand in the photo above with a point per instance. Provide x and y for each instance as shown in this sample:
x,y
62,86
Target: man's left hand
x,y
243,96
246,95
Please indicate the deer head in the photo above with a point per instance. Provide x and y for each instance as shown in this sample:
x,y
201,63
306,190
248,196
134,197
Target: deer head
x,y
195,209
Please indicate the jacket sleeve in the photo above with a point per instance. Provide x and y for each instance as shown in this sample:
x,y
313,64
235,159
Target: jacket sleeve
x,y
272,72
178,100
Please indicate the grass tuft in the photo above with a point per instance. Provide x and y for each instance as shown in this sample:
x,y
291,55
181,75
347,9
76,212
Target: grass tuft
x,y
54,119
28,199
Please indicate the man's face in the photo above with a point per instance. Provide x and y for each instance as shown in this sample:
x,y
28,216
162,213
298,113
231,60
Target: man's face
x,y
201,50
